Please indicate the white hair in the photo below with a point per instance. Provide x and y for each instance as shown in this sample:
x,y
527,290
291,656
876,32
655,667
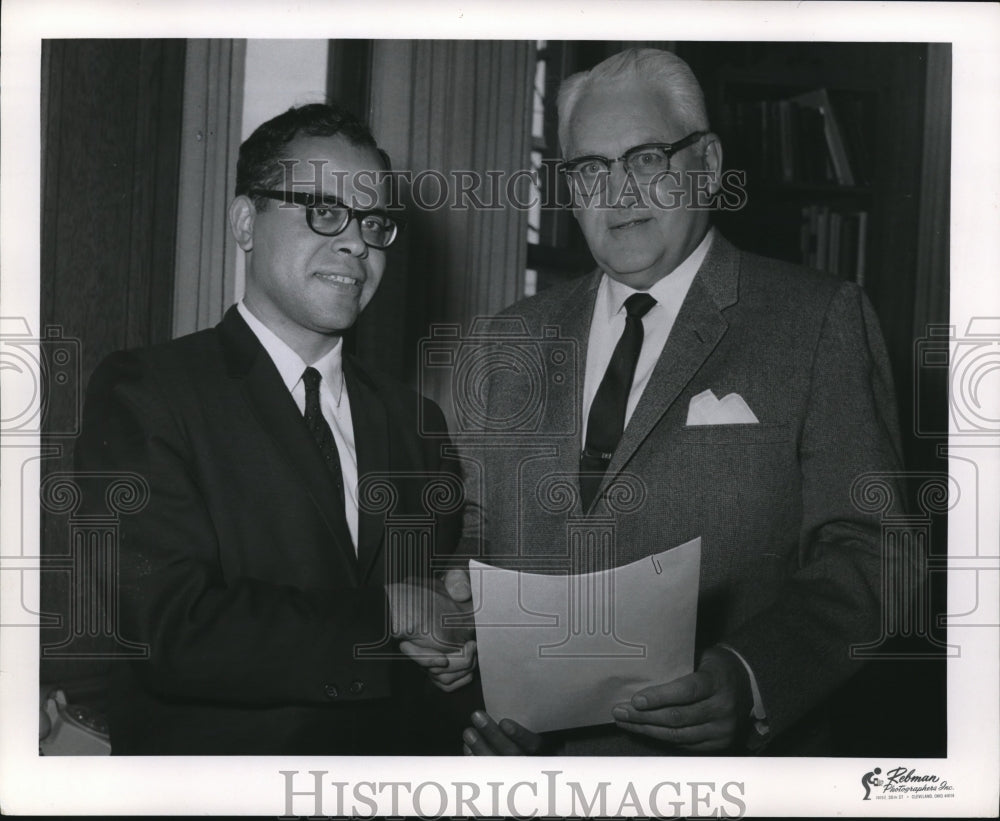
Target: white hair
x,y
662,71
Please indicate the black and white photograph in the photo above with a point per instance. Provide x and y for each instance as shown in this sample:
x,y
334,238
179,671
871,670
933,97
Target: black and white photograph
x,y
500,381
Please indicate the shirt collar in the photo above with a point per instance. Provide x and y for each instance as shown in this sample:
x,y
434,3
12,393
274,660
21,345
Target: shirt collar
x,y
674,286
289,364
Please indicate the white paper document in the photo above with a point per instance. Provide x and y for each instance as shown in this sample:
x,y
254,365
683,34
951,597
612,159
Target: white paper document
x,y
561,651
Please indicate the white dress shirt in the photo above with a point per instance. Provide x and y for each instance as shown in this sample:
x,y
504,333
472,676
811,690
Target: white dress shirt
x,y
608,323
333,400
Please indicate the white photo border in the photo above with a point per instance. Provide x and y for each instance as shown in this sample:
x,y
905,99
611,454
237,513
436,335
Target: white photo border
x,y
30,784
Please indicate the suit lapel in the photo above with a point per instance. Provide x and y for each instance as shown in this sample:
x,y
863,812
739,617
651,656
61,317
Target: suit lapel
x,y
699,327
279,416
564,411
371,442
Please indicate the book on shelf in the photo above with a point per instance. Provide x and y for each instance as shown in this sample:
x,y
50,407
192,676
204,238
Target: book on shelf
x,y
859,265
834,240
854,117
819,100
812,138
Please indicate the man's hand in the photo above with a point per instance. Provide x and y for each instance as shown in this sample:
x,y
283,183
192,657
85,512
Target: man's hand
x,y
458,585
485,737
426,638
706,711
448,671
425,615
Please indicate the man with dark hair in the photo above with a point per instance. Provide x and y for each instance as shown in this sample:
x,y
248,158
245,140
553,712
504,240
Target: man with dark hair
x,y
739,398
257,574
259,165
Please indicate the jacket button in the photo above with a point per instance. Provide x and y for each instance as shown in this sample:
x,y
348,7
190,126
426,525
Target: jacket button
x,y
331,690
357,687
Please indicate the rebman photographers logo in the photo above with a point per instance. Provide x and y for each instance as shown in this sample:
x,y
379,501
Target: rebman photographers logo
x,y
904,782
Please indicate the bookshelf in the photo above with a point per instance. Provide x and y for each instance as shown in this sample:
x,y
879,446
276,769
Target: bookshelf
x,y
807,149
810,151
777,106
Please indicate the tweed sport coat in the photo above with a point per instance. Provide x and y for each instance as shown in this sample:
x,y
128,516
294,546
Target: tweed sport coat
x,y
791,572
237,576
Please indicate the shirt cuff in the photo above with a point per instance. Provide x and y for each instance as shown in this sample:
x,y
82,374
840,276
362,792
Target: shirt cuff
x,y
758,713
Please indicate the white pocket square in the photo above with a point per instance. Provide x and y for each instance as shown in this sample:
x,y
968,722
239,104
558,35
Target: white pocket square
x,y
706,409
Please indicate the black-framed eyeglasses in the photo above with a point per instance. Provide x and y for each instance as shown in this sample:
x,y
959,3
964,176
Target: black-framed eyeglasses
x,y
329,217
644,162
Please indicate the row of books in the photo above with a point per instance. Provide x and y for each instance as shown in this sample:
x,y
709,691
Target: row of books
x,y
813,138
835,240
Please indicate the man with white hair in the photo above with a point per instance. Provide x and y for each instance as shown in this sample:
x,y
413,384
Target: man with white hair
x,y
748,395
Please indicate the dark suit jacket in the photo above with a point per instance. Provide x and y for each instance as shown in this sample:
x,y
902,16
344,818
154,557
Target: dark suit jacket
x,y
791,570
236,574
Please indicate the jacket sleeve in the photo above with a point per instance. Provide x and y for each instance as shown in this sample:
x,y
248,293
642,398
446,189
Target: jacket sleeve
x,y
800,648
236,639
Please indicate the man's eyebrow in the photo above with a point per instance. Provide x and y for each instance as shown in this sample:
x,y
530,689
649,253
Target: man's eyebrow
x,y
332,199
647,141
310,198
327,199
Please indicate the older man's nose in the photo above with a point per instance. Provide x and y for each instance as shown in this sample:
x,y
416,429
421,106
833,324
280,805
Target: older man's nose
x,y
623,189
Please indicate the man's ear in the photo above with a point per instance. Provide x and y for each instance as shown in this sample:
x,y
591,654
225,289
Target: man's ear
x,y
241,217
713,161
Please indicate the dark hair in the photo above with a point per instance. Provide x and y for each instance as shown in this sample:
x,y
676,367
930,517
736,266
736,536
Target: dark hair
x,y
258,167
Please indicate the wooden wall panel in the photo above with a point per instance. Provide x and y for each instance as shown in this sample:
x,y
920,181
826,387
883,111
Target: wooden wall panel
x,y
206,252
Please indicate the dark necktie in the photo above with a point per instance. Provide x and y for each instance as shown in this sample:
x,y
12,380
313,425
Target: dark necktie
x,y
321,430
606,421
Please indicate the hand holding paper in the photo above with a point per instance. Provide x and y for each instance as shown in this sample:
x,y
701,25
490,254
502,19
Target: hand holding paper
x,y
486,737
707,711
